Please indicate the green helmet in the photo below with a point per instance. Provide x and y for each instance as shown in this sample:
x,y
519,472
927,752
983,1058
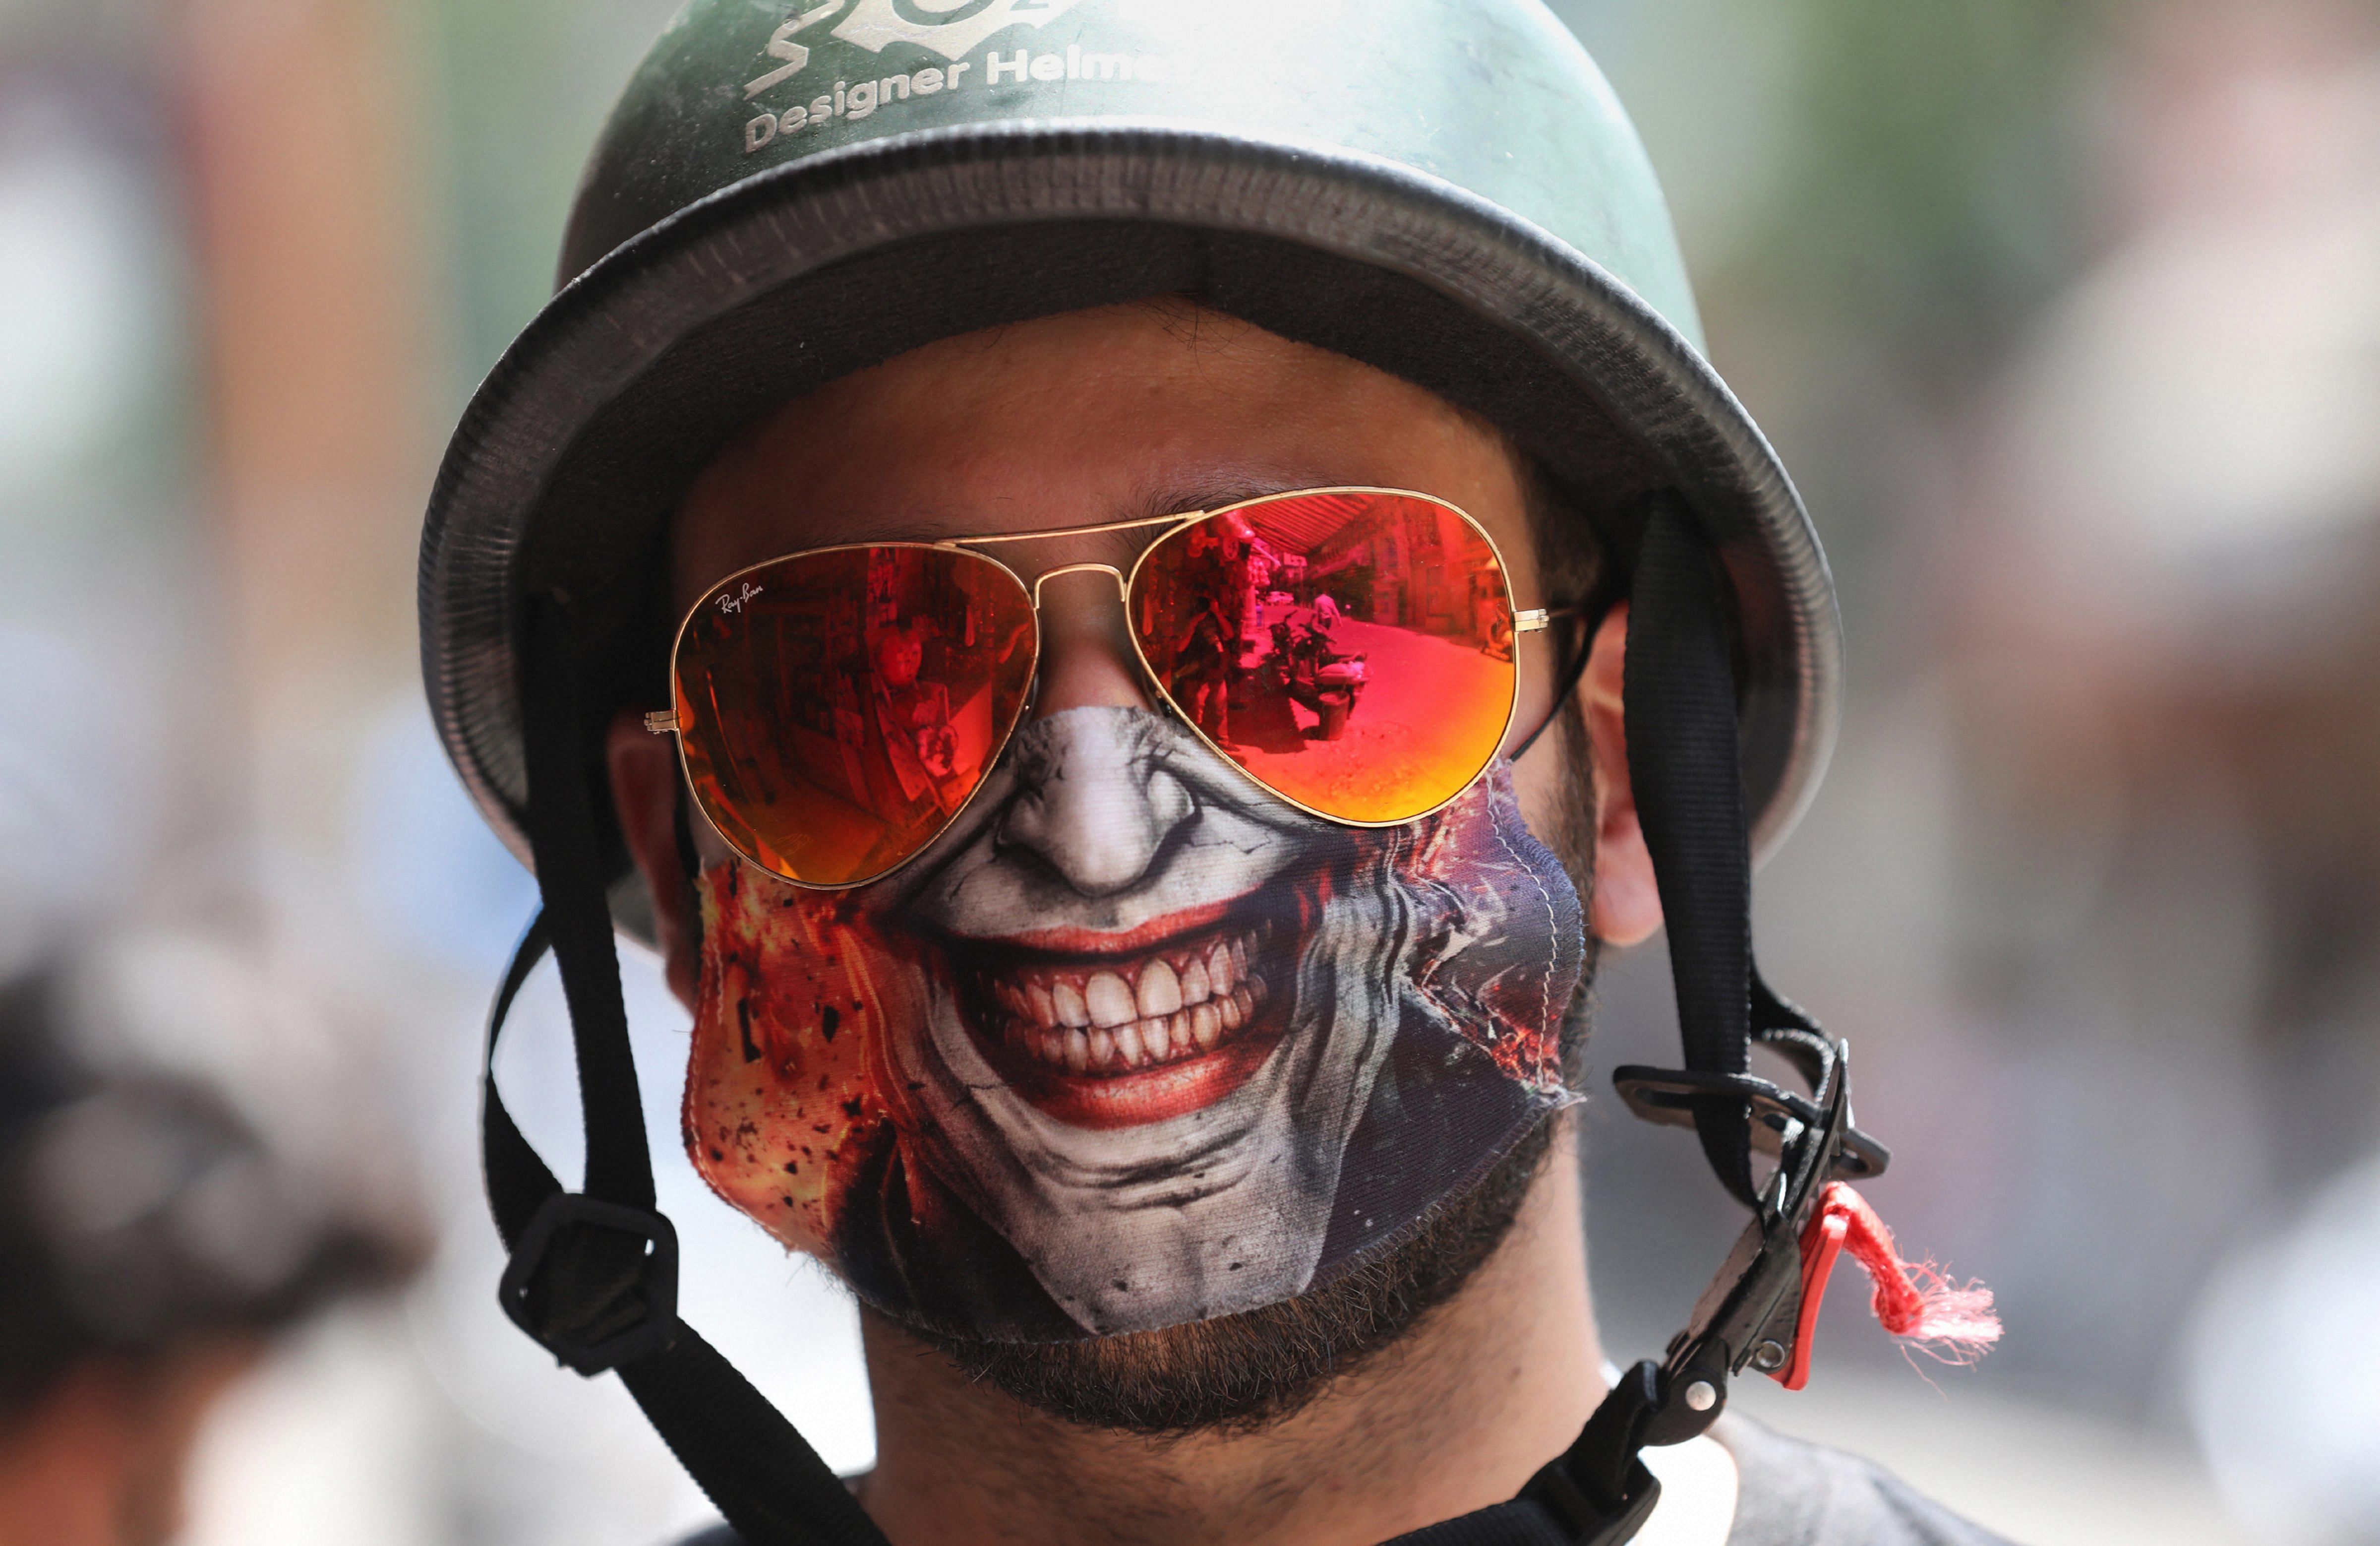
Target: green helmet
x,y
793,189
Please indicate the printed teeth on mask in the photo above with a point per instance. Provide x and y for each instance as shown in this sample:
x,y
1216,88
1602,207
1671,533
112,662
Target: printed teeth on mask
x,y
1173,1005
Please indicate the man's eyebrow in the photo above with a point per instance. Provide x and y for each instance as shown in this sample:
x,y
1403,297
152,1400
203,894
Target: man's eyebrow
x,y
1212,493
929,525
1180,498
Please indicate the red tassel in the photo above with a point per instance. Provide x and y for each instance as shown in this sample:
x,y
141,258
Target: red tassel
x,y
1914,1299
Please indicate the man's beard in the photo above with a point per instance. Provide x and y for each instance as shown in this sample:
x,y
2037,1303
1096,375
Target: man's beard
x,y
1242,1372
1246,1371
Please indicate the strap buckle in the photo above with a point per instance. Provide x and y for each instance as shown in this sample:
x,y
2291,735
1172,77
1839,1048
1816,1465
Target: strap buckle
x,y
1822,1241
1762,1304
1598,1492
1671,1096
593,1282
1556,1492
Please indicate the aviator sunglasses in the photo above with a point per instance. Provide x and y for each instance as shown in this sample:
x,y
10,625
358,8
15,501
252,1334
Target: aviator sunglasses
x,y
1350,650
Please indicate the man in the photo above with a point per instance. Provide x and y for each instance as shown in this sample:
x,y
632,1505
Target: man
x,y
915,717
1203,660
1189,1118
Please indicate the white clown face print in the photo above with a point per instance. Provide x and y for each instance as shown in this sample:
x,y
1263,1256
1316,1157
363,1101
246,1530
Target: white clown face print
x,y
1134,1043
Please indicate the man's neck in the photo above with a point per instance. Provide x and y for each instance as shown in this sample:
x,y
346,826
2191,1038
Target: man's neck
x,y
1457,1416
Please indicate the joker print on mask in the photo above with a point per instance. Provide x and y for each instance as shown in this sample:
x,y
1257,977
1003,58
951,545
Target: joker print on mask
x,y
1134,1043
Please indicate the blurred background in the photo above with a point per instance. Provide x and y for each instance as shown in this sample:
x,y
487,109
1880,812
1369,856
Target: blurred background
x,y
2065,314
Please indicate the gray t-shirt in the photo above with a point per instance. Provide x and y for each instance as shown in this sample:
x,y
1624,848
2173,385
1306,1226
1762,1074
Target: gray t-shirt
x,y
1789,1494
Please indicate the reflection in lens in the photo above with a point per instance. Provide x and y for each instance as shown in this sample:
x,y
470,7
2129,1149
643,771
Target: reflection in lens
x,y
1352,649
843,706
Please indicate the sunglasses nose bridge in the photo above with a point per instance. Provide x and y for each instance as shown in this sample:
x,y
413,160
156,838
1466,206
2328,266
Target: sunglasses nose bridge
x,y
1046,575
1088,653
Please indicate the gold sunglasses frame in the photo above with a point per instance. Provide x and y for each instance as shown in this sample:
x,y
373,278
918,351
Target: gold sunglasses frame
x,y
667,721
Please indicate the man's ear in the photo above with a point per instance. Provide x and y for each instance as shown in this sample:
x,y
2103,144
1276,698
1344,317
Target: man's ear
x,y
1626,906
646,791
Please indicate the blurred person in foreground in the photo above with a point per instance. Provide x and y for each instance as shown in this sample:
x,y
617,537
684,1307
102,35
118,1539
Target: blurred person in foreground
x,y
152,1244
1176,1052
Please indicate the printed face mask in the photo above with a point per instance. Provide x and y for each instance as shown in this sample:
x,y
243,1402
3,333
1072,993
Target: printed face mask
x,y
1132,1044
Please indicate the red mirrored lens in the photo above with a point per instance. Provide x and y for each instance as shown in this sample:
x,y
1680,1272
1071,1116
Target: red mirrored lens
x,y
836,709
1352,649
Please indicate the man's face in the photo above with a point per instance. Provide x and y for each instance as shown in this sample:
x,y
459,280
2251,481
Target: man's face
x,y
1126,1013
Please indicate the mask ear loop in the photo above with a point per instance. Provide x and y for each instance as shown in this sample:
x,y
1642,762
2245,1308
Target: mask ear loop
x,y
689,860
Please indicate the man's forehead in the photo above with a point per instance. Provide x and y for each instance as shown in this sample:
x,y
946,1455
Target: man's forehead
x,y
1114,415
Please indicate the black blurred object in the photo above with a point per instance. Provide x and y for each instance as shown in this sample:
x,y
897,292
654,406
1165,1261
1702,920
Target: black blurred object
x,y
140,1213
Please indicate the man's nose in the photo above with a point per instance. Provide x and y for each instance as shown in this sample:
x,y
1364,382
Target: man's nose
x,y
1087,656
1095,806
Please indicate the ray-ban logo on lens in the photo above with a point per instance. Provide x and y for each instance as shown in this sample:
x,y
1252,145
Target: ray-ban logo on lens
x,y
735,603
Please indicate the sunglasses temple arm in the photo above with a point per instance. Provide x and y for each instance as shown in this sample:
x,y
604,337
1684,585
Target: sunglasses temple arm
x,y
1566,681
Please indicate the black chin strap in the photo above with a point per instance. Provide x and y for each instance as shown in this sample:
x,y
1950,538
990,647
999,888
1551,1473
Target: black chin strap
x,y
1680,697
593,1274
1679,692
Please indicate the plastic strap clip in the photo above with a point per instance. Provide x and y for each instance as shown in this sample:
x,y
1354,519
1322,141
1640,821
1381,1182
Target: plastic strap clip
x,y
594,1283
